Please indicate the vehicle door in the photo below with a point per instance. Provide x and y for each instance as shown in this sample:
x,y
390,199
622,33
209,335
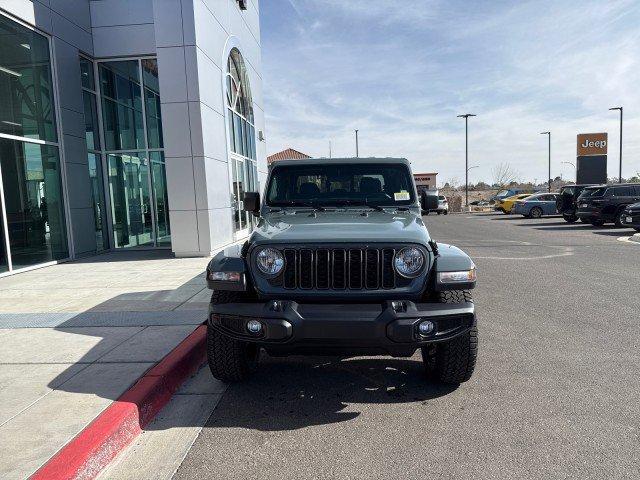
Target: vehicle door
x,y
565,200
621,197
548,204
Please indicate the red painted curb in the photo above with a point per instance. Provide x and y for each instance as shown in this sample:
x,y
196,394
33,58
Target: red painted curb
x,y
122,421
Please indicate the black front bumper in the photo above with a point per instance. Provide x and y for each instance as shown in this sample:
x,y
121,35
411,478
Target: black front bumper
x,y
289,327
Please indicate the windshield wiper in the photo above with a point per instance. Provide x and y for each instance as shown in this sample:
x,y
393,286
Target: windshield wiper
x,y
361,203
296,203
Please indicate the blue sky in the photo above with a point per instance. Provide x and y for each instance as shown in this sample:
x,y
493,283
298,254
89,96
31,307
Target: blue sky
x,y
400,72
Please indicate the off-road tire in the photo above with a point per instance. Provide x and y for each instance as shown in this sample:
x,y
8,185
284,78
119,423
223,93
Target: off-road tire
x,y
453,362
230,360
536,212
618,220
446,212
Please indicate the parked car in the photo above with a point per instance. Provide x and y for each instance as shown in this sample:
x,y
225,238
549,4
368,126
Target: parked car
x,y
631,217
566,203
502,194
505,205
535,206
347,273
443,205
607,203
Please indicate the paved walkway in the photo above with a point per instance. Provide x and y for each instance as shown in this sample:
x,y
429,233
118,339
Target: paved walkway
x,y
75,336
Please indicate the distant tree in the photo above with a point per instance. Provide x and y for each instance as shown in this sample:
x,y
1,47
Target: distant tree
x,y
451,183
503,175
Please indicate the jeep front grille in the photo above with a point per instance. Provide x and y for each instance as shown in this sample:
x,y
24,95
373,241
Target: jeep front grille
x,y
339,268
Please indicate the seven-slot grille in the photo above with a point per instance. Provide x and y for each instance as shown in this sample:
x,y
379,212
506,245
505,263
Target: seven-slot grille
x,y
339,268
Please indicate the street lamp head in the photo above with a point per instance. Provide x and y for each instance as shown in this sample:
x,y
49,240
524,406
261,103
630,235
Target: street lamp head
x,y
467,115
545,133
616,108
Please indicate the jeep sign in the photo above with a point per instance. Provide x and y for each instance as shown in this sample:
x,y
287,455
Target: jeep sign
x,y
592,144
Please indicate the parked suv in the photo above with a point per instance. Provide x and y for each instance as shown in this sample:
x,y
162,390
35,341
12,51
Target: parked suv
x,y
341,263
566,203
606,203
631,217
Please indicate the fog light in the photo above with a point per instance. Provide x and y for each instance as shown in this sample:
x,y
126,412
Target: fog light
x,y
254,326
426,327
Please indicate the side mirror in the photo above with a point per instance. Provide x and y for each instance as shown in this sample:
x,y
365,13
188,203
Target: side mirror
x,y
428,202
252,202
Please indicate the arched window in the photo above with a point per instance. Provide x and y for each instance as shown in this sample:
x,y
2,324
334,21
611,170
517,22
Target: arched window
x,y
242,143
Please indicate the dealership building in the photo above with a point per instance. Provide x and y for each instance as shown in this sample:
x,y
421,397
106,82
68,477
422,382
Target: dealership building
x,y
127,124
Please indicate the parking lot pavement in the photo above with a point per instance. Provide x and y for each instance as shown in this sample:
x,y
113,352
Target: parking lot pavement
x,y
75,336
556,393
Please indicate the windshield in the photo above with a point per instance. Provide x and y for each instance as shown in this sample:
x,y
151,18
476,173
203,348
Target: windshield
x,y
593,192
503,193
341,185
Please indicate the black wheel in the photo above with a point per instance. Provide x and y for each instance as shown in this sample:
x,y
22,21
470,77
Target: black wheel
x,y
536,212
453,362
618,220
230,360
585,220
570,218
597,223
446,212
438,212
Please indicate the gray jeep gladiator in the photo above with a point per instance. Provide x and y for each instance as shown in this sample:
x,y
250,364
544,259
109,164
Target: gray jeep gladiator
x,y
341,263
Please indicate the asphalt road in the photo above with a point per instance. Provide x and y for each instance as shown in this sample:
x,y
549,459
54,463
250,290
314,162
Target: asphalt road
x,y
556,392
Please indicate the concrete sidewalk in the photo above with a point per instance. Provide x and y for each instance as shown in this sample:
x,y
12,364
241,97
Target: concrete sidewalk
x,y
75,336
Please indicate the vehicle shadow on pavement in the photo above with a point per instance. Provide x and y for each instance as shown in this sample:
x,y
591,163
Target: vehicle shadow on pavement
x,y
298,392
110,345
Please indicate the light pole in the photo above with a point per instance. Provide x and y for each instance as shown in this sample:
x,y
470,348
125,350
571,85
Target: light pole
x,y
357,153
549,177
466,155
619,108
574,166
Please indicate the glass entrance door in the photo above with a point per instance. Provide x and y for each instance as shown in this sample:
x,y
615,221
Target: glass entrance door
x,y
160,199
131,209
4,258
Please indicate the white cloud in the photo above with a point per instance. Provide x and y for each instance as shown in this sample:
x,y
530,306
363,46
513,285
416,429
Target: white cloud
x,y
402,71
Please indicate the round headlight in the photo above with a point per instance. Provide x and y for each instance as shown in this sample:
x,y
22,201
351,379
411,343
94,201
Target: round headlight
x,y
270,261
409,262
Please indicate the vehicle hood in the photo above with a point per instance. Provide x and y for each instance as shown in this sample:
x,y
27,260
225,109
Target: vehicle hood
x,y
340,226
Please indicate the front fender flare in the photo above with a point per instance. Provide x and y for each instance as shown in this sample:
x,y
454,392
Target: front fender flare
x,y
451,259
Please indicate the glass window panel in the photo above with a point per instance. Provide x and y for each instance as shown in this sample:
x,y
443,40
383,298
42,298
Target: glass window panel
x,y
122,105
34,203
91,121
152,103
86,74
4,261
232,143
26,90
130,199
235,203
160,198
237,133
97,196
